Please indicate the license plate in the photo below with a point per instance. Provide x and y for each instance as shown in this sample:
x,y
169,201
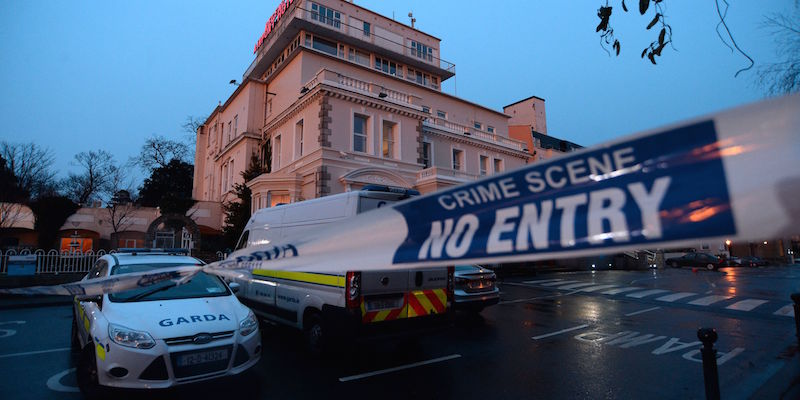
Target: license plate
x,y
202,358
481,284
384,304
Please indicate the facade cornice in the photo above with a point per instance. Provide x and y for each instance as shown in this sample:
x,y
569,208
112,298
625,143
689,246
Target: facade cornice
x,y
475,142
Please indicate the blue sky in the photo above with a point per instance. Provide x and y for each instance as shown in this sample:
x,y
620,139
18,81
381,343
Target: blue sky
x,y
86,75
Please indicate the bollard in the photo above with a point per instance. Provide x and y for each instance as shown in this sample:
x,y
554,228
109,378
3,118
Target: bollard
x,y
796,300
708,336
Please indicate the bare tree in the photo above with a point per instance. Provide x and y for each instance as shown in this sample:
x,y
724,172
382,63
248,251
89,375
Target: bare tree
x,y
32,165
93,181
11,213
783,77
121,205
158,151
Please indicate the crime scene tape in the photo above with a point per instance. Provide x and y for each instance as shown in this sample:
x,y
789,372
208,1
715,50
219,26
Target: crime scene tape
x,y
731,175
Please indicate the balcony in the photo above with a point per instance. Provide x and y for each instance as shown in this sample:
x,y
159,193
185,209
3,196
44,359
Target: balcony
x,y
485,136
335,79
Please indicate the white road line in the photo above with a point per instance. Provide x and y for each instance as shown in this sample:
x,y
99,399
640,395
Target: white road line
x,y
542,281
641,311
676,296
596,288
787,311
557,283
400,368
639,295
746,305
708,300
575,286
54,383
622,290
33,352
574,328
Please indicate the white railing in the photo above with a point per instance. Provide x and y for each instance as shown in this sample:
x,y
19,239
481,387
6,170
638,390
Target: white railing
x,y
345,82
54,261
485,136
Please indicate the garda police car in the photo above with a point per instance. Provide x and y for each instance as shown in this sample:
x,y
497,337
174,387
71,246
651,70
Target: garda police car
x,y
161,335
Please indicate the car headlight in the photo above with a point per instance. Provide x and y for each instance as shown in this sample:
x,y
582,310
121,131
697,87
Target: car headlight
x,y
130,338
248,325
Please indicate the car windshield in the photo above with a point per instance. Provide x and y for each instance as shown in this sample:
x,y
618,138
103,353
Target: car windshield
x,y
201,285
466,267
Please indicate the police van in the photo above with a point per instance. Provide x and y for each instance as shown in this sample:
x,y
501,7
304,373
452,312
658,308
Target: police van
x,y
160,335
348,304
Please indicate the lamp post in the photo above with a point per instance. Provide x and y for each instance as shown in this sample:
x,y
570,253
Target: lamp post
x,y
728,247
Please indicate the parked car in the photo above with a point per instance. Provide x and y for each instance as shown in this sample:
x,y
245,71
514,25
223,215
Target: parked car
x,y
162,335
475,288
732,262
698,260
753,261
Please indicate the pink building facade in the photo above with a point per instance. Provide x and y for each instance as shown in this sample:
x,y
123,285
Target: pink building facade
x,y
339,97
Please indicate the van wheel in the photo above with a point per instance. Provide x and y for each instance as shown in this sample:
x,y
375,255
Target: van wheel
x,y
315,333
87,373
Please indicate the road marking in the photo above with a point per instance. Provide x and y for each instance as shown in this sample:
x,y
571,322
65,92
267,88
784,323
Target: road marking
x,y
787,311
596,288
557,283
575,286
746,305
54,383
708,300
34,352
542,281
641,311
574,328
400,368
646,293
621,290
676,296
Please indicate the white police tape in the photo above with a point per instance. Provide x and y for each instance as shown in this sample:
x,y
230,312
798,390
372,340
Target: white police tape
x,y
732,175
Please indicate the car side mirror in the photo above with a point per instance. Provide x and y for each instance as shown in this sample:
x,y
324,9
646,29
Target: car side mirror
x,y
234,287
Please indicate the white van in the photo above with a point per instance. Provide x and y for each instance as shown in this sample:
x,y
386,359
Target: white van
x,y
350,303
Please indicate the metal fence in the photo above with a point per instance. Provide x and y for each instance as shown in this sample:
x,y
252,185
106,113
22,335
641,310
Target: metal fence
x,y
54,261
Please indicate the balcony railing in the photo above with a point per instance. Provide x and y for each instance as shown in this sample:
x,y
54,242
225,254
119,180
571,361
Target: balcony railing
x,y
494,138
336,79
434,172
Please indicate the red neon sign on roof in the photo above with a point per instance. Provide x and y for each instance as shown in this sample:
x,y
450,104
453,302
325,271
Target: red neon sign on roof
x,y
272,21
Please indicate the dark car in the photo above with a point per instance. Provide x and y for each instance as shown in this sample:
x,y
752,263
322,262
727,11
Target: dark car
x,y
475,288
753,261
697,260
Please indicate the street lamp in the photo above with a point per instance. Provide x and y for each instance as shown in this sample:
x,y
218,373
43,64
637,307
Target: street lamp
x,y
728,246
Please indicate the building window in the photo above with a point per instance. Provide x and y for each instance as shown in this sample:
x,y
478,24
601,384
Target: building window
x,y
277,152
422,51
426,109
269,107
229,132
308,40
389,138
458,159
366,28
325,46
389,67
484,163
235,125
426,155
441,114
326,15
359,57
341,51
360,133
490,129
498,165
298,139
477,125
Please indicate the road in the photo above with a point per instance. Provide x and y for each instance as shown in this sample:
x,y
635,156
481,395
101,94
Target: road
x,y
595,335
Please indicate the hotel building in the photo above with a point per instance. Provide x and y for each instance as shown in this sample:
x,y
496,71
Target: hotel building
x,y
339,97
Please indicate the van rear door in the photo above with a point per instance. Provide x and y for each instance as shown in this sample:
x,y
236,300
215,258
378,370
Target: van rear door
x,y
384,295
427,292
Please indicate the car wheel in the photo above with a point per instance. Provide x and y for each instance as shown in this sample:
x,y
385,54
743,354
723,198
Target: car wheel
x,y
711,267
87,373
315,334
75,343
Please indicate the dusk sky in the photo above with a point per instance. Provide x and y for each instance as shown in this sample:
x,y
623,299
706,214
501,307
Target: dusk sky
x,y
88,75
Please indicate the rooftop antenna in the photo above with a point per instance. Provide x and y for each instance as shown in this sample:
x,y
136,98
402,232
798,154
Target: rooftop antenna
x,y
411,15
